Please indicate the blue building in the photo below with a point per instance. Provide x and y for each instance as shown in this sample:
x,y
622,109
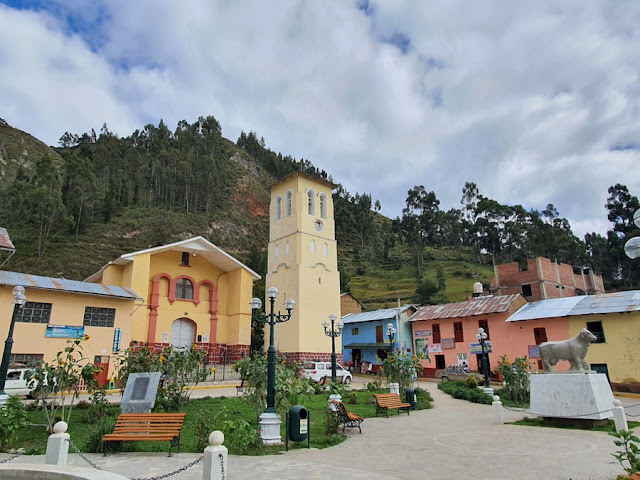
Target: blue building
x,y
365,340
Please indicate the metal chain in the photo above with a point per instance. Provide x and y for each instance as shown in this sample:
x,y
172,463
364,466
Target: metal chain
x,y
632,415
195,462
631,406
26,452
556,416
77,450
221,457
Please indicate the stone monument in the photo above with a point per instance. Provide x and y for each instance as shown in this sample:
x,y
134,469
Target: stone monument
x,y
140,392
578,396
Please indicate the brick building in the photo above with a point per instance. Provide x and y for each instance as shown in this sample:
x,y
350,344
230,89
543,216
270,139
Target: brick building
x,y
349,304
543,279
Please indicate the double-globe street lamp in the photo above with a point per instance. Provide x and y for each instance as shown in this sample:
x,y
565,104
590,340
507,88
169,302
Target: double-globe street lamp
x,y
482,336
391,333
19,300
269,420
333,332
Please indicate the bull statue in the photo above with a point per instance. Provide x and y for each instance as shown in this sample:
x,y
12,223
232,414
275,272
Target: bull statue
x,y
573,350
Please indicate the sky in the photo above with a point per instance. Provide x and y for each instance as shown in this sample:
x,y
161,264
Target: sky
x,y
535,102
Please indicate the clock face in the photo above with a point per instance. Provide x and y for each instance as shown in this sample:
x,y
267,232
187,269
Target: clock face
x,y
318,224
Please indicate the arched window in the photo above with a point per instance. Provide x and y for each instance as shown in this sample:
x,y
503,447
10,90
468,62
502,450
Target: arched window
x,y
278,207
287,202
277,251
325,249
287,248
313,246
184,289
323,205
311,202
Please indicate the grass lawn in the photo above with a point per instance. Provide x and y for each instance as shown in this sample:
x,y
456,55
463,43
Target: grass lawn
x,y
224,409
539,422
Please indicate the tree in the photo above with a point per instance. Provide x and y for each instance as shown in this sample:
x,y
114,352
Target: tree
x,y
425,292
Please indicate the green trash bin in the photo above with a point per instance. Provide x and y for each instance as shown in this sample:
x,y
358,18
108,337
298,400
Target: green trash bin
x,y
298,423
411,397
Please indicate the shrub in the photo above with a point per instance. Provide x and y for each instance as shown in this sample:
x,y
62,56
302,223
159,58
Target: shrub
x,y
458,389
424,400
99,429
203,428
353,398
471,382
515,377
13,416
331,422
630,453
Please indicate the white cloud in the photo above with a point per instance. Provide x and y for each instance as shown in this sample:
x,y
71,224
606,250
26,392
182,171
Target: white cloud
x,y
524,100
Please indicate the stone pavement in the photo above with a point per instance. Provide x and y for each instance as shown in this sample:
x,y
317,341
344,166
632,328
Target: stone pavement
x,y
456,439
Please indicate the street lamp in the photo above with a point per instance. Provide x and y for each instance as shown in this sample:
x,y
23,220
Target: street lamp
x,y
18,301
482,336
269,420
333,333
391,333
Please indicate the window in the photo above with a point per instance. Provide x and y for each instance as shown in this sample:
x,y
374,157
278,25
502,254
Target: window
x,y
457,332
526,290
28,359
435,330
184,289
287,202
185,259
596,329
287,248
325,249
33,312
99,317
313,246
540,335
278,207
484,324
323,205
277,251
354,331
311,202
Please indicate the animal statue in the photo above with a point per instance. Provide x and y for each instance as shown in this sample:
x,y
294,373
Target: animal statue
x,y
574,350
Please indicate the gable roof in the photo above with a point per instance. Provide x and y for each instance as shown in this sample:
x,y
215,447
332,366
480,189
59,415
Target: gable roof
x,y
64,285
618,302
383,314
327,183
197,245
477,306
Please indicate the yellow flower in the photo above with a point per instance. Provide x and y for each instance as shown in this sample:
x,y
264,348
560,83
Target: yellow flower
x,y
193,347
415,357
86,338
161,359
213,369
62,362
392,359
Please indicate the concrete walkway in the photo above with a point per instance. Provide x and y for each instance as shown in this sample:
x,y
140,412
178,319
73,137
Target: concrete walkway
x,y
454,440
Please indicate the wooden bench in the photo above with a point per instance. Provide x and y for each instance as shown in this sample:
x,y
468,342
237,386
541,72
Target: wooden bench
x,y
386,401
240,388
346,418
146,427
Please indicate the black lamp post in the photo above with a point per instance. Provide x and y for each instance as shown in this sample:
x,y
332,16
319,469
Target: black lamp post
x,y
272,319
333,333
391,333
18,301
482,336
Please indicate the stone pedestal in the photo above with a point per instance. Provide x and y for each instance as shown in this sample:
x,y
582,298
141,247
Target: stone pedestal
x,y
571,395
270,428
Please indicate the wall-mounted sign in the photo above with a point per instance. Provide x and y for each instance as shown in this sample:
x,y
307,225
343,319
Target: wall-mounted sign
x,y
477,349
64,331
117,337
164,337
534,351
435,348
448,343
422,346
425,332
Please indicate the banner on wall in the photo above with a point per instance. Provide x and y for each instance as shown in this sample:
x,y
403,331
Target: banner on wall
x,y
425,332
476,348
448,343
422,346
435,348
64,331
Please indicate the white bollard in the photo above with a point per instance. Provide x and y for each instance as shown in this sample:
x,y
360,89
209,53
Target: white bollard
x,y
498,412
214,466
57,445
619,417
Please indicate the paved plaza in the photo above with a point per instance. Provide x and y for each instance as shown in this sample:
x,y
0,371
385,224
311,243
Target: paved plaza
x,y
456,439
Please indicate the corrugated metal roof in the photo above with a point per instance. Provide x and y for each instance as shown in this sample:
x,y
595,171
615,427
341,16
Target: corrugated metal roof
x,y
5,241
608,303
383,314
382,346
554,307
584,305
62,284
478,306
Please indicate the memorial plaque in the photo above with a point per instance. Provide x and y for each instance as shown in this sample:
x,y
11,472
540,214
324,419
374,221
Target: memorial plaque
x,y
140,392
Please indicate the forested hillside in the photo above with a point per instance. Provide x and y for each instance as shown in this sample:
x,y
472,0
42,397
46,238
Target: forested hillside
x,y
72,208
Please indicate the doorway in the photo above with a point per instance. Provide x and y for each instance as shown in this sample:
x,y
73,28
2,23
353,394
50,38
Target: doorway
x,y
183,333
440,362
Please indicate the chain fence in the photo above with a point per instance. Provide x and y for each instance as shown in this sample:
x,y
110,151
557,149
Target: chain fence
x,y
221,457
523,410
26,452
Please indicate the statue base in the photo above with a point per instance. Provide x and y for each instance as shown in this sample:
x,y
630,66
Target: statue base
x,y
577,396
270,428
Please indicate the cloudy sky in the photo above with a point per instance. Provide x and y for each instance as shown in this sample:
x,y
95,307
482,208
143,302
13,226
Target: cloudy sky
x,y
536,102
